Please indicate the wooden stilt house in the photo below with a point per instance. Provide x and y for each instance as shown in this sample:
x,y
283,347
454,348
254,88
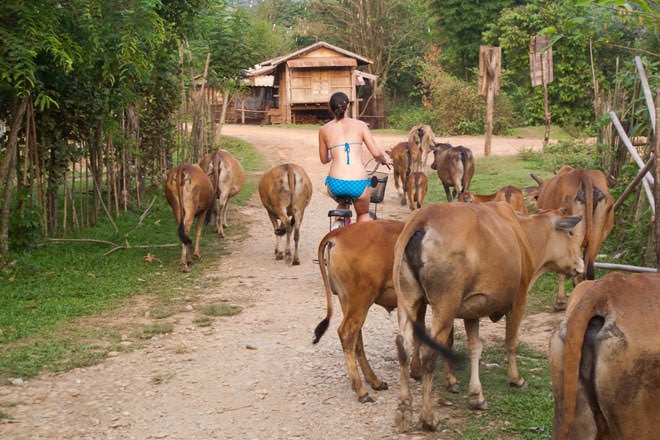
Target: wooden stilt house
x,y
295,88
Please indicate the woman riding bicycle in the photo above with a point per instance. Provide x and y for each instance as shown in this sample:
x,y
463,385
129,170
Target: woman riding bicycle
x,y
341,142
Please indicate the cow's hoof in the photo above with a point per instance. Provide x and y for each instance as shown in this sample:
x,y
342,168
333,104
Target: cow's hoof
x,y
197,257
383,386
430,425
295,262
403,418
366,399
454,388
518,383
279,256
478,405
184,268
559,306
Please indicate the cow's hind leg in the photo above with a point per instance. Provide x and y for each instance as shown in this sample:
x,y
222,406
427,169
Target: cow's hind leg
x,y
441,329
349,331
297,221
280,230
415,362
369,374
198,234
477,400
403,416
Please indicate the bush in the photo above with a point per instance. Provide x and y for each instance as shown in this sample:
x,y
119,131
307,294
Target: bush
x,y
407,116
575,152
457,108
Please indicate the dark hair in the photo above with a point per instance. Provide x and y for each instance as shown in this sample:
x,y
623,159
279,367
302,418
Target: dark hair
x,y
338,103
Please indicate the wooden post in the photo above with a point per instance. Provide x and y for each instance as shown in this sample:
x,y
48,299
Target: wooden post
x,y
489,77
656,191
546,105
540,67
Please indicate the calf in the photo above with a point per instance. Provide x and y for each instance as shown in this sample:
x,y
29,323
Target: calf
x,y
467,261
421,139
356,265
400,155
605,360
416,187
510,194
455,167
581,192
227,176
190,194
285,191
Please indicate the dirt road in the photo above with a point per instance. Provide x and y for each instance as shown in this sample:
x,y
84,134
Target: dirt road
x,y
255,375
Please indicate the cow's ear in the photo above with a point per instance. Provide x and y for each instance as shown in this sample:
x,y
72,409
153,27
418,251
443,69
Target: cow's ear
x,y
566,223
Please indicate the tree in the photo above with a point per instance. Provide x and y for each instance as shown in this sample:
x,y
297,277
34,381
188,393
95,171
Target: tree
x,y
459,29
390,33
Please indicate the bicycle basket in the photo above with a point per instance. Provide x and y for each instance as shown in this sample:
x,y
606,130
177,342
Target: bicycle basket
x,y
378,192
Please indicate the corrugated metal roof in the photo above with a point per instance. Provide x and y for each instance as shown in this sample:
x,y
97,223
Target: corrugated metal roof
x,y
268,66
322,62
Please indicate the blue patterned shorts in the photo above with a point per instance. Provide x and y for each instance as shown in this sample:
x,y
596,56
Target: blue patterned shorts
x,y
346,188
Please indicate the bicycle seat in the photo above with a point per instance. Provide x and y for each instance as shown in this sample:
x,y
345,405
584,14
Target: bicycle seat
x,y
340,213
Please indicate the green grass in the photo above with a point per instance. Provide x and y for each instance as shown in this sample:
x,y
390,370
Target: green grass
x,y
538,132
513,413
492,173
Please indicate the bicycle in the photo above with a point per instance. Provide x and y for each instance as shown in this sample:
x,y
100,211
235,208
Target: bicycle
x,y
342,217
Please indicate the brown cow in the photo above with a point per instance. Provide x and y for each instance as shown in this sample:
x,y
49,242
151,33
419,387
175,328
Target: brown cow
x,y
510,194
455,167
605,360
421,139
581,192
358,269
416,187
227,176
285,192
190,194
400,155
469,260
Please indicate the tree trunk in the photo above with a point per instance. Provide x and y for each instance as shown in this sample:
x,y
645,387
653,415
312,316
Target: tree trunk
x,y
6,173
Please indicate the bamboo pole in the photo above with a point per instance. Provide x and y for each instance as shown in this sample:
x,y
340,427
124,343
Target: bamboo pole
x,y
64,206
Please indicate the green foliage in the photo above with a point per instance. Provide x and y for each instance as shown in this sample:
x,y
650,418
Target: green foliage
x,y
580,32
456,107
458,27
406,116
576,153
24,225
632,238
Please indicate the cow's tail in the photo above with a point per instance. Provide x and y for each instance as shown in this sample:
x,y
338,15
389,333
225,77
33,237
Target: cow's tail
x,y
408,245
326,242
291,175
589,242
181,178
590,306
464,161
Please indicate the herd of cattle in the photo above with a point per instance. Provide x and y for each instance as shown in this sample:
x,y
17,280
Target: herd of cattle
x,y
473,258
